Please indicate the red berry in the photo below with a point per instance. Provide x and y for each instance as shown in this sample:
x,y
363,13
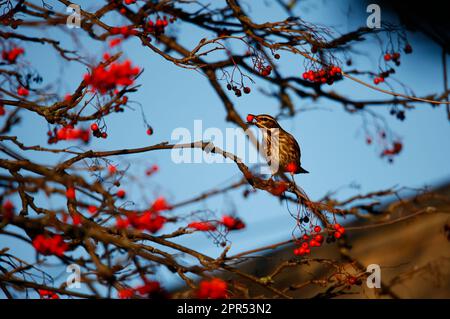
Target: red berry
x,y
70,193
318,238
337,234
92,209
149,131
121,193
94,127
112,169
23,91
246,90
317,229
250,118
387,57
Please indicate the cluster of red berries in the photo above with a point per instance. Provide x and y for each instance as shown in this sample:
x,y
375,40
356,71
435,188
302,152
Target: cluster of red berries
x,y
160,204
395,57
383,75
313,239
338,231
12,55
7,211
149,220
326,75
47,294
21,91
213,289
104,79
97,132
50,245
237,91
232,223
68,133
150,289
202,226
158,27
124,31
265,70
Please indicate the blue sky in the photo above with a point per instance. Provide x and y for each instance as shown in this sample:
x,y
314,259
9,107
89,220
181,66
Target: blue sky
x,y
332,143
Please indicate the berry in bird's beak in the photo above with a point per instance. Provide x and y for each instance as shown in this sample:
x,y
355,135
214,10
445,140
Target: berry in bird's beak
x,y
250,118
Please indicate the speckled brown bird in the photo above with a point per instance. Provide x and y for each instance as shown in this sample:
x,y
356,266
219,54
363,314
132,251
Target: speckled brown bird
x,y
279,146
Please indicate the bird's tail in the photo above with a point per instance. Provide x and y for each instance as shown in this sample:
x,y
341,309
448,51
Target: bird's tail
x,y
301,170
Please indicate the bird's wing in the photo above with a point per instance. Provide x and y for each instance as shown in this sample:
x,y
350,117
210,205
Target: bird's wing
x,y
296,146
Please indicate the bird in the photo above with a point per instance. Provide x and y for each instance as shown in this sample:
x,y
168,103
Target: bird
x,y
281,148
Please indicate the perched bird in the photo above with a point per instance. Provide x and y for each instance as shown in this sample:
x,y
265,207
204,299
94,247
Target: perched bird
x,y
281,149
